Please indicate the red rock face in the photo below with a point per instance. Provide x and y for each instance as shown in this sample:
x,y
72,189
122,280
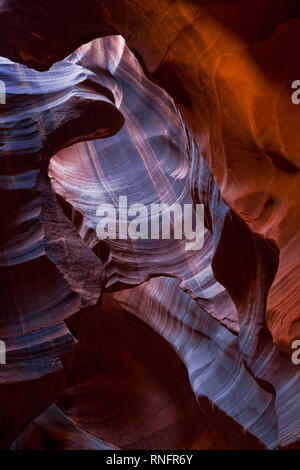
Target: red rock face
x,y
141,344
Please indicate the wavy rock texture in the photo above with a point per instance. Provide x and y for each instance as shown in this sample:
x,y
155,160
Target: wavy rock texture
x,y
229,66
181,352
47,271
92,173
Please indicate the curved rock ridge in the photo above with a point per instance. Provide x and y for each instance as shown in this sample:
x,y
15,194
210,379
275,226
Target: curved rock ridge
x,y
212,357
40,249
47,272
150,161
229,66
205,347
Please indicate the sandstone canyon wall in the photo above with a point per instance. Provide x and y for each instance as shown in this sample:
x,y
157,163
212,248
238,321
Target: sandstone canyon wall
x,y
140,344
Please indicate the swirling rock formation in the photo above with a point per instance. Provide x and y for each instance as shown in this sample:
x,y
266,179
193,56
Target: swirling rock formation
x,y
229,66
47,272
229,142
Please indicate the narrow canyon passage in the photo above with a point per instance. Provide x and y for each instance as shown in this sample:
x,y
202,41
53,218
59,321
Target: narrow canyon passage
x,y
122,343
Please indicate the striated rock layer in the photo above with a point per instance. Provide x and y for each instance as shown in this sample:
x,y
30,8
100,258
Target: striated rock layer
x,y
47,271
181,352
